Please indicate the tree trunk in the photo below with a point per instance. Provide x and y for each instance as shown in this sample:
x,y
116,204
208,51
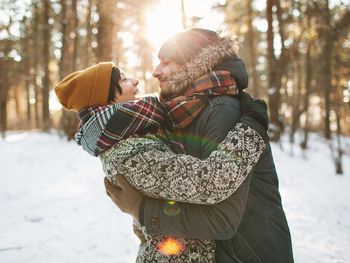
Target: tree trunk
x,y
36,61
326,79
325,58
337,107
37,93
69,120
5,85
297,110
28,50
276,68
276,124
46,77
66,61
308,78
329,32
252,49
88,50
3,97
16,95
338,159
75,31
28,105
107,30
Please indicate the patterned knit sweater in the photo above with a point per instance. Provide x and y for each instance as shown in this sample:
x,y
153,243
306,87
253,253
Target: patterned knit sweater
x,y
152,167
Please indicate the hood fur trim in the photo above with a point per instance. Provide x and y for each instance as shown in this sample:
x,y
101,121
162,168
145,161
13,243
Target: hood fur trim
x,y
204,62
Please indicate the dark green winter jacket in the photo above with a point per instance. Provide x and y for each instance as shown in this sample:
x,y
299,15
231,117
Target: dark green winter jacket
x,y
249,226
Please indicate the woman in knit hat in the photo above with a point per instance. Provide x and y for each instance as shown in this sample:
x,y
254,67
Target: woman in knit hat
x,y
98,85
130,138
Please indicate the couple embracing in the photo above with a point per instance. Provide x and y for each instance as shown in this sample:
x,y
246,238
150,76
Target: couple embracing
x,y
194,167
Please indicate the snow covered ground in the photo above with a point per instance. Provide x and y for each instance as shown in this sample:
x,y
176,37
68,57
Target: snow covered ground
x,y
54,207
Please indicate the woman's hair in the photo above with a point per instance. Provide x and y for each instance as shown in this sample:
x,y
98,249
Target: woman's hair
x,y
114,87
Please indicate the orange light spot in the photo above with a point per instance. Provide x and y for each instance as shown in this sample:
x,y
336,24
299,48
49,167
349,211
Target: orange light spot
x,y
170,247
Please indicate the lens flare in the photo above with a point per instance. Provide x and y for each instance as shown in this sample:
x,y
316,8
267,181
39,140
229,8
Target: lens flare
x,y
170,208
170,247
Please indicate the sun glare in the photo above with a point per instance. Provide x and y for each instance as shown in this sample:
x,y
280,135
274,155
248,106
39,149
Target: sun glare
x,y
163,21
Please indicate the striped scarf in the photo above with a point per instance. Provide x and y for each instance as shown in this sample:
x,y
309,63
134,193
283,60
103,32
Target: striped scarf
x,y
182,110
103,126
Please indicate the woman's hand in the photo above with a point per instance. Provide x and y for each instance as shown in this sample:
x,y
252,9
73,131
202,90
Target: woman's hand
x,y
124,195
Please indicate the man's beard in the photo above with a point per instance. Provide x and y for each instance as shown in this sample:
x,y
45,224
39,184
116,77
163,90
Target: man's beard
x,y
166,93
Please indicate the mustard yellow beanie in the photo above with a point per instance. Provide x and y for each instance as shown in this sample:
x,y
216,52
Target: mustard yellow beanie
x,y
85,88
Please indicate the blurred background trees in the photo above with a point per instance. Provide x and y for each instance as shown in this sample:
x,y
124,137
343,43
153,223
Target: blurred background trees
x,y
296,52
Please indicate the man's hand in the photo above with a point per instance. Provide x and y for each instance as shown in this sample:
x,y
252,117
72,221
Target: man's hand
x,y
124,195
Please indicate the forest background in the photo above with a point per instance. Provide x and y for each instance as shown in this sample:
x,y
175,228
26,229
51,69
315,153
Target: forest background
x,y
297,55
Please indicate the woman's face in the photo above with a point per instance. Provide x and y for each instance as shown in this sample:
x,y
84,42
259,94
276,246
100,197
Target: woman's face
x,y
129,89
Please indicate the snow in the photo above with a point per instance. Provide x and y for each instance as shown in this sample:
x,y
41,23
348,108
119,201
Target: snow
x,y
54,207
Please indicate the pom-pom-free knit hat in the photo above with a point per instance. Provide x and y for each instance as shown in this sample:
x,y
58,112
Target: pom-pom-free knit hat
x,y
184,46
85,88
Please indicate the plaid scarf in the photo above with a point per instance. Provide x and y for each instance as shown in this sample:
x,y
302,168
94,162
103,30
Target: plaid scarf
x,y
182,110
103,126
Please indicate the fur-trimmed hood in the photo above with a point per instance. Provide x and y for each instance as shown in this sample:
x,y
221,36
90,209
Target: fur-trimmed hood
x,y
222,55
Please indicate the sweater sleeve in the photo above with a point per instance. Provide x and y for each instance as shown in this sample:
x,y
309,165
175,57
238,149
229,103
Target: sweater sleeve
x,y
189,179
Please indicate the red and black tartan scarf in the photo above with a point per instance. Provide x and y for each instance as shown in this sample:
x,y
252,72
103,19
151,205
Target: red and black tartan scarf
x,y
182,110
103,126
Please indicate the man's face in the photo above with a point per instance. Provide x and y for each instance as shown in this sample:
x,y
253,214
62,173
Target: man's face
x,y
164,69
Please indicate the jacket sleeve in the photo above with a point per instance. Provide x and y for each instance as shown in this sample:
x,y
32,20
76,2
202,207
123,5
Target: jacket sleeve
x,y
219,221
214,222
